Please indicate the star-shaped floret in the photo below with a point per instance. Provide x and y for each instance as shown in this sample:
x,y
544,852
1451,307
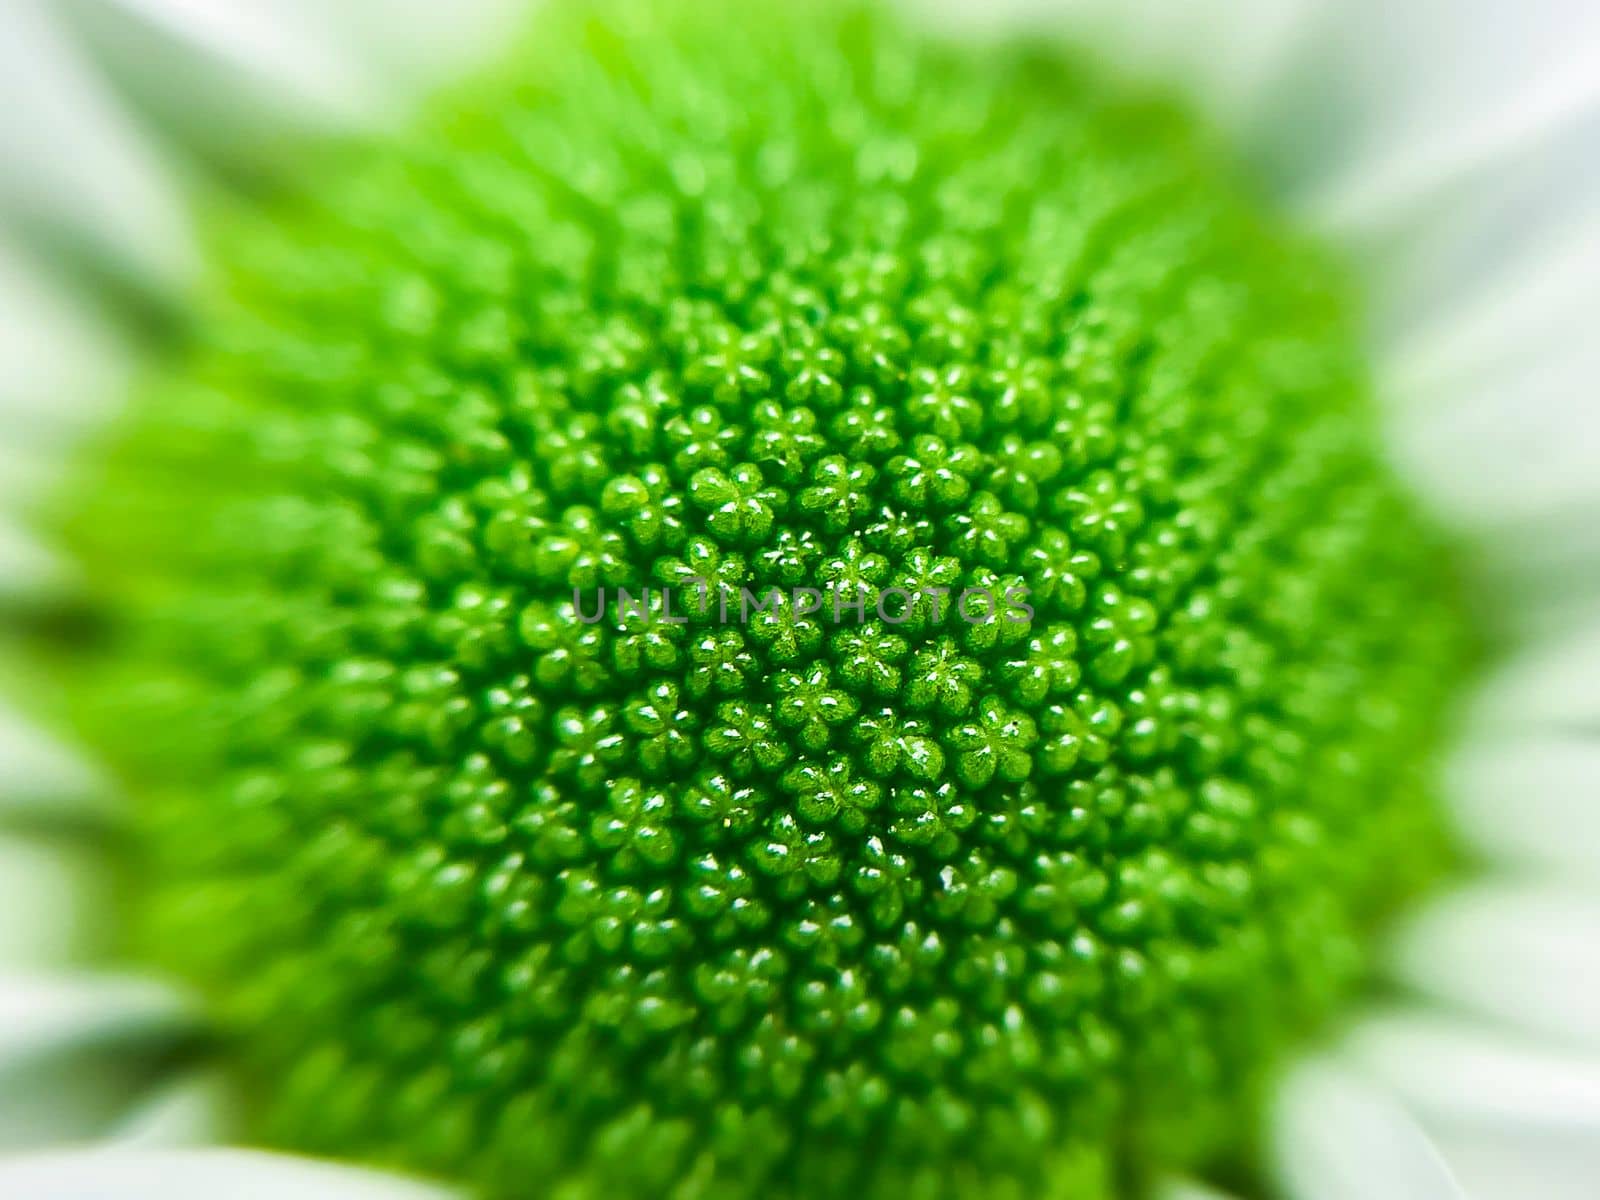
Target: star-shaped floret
x,y
891,743
840,492
867,428
579,550
1047,670
737,503
812,371
1119,634
784,632
730,368
700,439
812,705
868,658
784,441
939,677
930,816
589,744
636,826
933,473
744,736
1020,390
1060,573
997,743
662,729
1022,471
830,794
720,807
985,532
648,506
931,583
795,859
1101,514
720,664
703,579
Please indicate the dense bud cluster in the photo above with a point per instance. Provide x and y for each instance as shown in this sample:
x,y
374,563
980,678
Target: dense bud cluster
x,y
709,909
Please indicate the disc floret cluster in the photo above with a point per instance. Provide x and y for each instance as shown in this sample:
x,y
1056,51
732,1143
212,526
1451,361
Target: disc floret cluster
x,y
633,908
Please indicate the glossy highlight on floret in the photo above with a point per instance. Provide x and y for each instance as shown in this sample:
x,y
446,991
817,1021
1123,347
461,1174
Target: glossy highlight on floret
x,y
802,905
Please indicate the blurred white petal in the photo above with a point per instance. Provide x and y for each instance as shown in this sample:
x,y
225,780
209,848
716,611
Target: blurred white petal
x,y
27,569
1230,53
1428,94
232,77
40,777
1494,1164
1454,1073
1515,1119
235,78
1512,453
1541,299
414,43
1185,1189
138,1174
197,1109
61,366
1528,955
1463,239
54,898
1545,687
76,1049
42,1011
1457,91
1531,801
1337,1137
73,165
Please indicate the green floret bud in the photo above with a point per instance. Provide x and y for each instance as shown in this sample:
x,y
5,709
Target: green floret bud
x,y
761,606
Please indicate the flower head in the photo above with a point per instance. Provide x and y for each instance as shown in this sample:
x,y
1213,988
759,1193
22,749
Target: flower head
x,y
937,896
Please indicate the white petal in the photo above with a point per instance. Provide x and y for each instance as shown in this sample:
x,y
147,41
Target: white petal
x,y
1336,1136
63,363
1540,300
1185,1189
1495,1164
1514,1119
1493,370
1546,687
1524,954
1453,1073
412,43
1228,52
266,67
75,1049
1433,92
1531,800
194,1110
40,777
1509,449
1519,90
42,1010
54,895
28,571
74,166
99,1174
1452,145
231,76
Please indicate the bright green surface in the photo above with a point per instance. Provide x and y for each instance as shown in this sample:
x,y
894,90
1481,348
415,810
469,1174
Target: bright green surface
x,y
794,908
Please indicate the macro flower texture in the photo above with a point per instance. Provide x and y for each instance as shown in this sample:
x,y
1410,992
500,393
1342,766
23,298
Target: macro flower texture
x,y
684,600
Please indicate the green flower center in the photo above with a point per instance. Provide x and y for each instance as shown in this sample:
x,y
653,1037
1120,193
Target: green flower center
x,y
1023,697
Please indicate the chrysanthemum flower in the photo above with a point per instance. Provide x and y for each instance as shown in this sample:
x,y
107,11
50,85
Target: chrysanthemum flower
x,y
803,602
